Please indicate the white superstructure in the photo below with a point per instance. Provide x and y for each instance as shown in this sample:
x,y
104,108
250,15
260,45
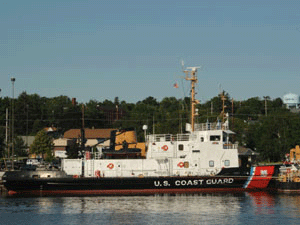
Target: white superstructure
x,y
204,151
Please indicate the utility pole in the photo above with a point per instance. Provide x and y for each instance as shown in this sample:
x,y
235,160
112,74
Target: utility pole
x,y
12,121
6,133
117,112
82,115
27,106
82,139
266,106
82,147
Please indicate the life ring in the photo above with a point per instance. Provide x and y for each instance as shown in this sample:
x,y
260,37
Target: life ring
x,y
165,147
97,173
181,164
110,166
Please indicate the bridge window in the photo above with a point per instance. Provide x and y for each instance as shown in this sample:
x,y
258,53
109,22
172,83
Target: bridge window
x,y
215,138
180,147
227,163
211,163
202,139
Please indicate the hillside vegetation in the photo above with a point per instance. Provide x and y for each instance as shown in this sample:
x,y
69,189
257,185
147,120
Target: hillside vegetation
x,y
262,125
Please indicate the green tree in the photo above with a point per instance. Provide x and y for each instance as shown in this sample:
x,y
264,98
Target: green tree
x,y
169,116
150,101
43,145
73,150
61,113
20,147
93,115
251,109
37,126
27,110
274,135
240,127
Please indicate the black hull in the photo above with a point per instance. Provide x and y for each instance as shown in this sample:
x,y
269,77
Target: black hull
x,y
288,186
22,184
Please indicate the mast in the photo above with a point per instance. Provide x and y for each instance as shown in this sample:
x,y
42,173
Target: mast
x,y
223,98
194,80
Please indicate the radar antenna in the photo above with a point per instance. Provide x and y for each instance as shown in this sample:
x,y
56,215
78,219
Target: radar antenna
x,y
194,69
182,65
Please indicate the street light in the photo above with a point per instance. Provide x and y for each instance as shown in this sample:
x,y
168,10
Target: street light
x,y
145,128
12,121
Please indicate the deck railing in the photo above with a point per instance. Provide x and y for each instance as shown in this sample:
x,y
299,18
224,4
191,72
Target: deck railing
x,y
171,137
211,126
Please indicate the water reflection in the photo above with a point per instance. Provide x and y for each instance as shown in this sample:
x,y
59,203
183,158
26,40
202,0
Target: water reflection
x,y
262,202
290,203
228,208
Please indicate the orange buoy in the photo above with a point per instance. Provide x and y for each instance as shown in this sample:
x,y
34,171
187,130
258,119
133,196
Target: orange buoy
x,y
110,166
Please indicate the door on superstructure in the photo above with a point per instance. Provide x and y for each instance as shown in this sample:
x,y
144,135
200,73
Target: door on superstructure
x,y
119,169
195,165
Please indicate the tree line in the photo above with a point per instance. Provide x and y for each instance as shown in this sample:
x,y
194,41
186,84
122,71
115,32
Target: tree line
x,y
264,125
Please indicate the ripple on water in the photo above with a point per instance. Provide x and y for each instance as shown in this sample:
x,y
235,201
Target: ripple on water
x,y
249,208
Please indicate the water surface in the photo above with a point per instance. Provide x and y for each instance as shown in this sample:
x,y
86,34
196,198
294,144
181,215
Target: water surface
x,y
243,208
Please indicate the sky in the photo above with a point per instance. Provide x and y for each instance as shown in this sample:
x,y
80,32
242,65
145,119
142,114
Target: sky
x,y
132,49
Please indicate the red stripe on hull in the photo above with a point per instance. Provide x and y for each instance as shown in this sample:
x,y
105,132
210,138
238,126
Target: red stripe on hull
x,y
261,177
134,191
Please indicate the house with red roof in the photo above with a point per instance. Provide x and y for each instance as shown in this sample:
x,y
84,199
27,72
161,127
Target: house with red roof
x,y
93,136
